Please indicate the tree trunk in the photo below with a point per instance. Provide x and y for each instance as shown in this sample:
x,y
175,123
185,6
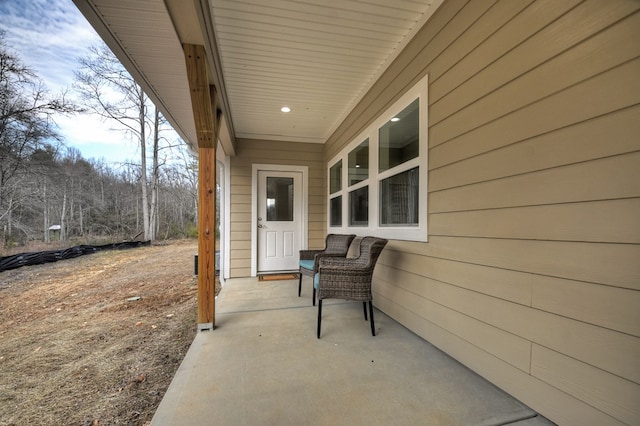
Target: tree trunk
x,y
7,230
153,219
45,213
63,214
72,211
81,219
143,168
10,218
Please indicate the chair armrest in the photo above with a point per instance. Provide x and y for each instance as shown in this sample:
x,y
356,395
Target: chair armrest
x,y
340,263
309,254
320,257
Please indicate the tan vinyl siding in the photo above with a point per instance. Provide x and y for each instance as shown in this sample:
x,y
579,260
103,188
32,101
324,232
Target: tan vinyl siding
x,y
531,275
249,152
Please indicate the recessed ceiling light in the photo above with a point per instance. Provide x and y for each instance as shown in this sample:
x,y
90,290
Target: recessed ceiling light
x,y
285,109
394,119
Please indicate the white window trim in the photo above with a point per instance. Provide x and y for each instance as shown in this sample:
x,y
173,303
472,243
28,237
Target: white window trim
x,y
407,233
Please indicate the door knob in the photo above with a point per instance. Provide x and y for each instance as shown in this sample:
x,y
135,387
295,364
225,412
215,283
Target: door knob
x,y
259,226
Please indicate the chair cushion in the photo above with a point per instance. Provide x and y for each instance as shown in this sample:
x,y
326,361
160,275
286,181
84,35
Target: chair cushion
x,y
316,281
307,264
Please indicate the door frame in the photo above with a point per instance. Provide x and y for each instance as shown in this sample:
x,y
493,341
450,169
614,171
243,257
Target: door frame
x,y
254,206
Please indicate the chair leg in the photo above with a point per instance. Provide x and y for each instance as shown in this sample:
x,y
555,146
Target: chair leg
x,y
313,297
319,316
373,328
364,305
299,285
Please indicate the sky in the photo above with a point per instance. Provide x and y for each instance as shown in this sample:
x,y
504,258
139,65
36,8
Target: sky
x,y
49,36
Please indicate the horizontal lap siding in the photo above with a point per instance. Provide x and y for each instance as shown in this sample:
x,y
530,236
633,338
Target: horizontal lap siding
x,y
249,152
531,275
595,221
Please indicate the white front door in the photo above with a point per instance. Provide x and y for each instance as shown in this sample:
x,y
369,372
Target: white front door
x,y
280,220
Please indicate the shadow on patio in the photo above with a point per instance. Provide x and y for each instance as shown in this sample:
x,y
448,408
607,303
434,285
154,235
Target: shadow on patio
x,y
263,365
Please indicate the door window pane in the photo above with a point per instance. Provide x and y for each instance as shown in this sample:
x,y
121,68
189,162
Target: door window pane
x,y
399,138
359,207
335,177
359,163
335,211
279,199
399,196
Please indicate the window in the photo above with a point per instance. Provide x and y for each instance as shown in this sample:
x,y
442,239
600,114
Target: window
x,y
398,138
382,188
359,207
399,199
335,185
335,178
279,199
359,163
336,211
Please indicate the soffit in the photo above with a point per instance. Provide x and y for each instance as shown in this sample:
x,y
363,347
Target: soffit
x,y
316,57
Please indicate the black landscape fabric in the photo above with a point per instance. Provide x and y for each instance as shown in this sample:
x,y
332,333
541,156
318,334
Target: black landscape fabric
x,y
40,257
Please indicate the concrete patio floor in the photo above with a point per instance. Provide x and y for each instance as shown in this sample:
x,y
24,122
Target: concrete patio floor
x,y
263,365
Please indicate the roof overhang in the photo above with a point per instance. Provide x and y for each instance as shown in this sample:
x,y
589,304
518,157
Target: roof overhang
x,y
318,58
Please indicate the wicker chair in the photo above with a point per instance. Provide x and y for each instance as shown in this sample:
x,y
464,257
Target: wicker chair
x,y
349,279
336,245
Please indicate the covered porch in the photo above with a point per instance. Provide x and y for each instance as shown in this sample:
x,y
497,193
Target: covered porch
x,y
511,206
264,365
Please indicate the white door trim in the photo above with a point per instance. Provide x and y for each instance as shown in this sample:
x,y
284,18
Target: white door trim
x,y
225,212
254,206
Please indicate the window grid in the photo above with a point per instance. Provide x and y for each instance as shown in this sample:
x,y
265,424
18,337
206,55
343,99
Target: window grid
x,y
396,197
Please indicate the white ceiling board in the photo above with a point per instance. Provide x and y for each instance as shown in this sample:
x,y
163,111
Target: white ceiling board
x,y
317,57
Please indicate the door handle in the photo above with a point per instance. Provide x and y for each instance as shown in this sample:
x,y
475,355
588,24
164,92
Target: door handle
x,y
259,226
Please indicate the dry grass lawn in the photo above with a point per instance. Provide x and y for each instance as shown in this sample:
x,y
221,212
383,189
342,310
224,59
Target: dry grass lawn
x,y
75,350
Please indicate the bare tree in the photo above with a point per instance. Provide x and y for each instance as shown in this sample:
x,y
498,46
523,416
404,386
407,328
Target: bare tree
x,y
43,183
26,125
178,184
111,92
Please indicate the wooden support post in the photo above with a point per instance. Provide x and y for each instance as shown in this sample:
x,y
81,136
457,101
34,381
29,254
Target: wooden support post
x,y
203,98
201,102
206,237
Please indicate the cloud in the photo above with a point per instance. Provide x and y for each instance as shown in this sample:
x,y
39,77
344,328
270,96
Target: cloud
x,y
96,139
49,36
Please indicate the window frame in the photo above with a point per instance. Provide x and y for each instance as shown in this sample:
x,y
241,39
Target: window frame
x,y
417,232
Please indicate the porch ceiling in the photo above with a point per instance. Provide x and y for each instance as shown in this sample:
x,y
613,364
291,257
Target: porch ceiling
x,y
316,57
